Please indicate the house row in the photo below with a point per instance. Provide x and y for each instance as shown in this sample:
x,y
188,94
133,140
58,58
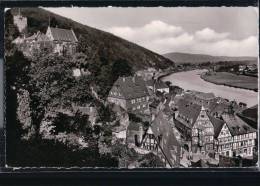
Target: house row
x,y
228,136
132,94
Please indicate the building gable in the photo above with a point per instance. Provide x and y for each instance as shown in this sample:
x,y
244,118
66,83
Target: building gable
x,y
203,120
224,132
149,142
116,91
49,34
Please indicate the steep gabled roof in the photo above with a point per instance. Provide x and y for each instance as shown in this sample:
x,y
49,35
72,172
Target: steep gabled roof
x,y
217,124
236,125
188,110
131,87
191,110
60,34
161,127
215,107
251,113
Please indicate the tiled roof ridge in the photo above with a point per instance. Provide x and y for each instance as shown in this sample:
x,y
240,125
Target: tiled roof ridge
x,y
132,86
63,34
239,124
159,145
60,28
191,106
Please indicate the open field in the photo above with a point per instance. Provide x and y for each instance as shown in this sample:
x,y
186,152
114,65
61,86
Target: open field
x,y
233,80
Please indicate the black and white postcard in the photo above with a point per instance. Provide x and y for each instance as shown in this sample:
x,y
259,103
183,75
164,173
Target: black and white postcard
x,y
137,87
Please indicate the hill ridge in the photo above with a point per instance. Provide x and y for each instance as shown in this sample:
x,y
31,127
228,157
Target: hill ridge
x,y
181,57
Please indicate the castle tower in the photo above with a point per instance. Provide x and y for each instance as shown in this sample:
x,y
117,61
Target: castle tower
x,y
20,22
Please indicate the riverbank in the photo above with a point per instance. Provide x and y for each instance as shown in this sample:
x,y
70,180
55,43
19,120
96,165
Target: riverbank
x,y
167,73
231,80
191,80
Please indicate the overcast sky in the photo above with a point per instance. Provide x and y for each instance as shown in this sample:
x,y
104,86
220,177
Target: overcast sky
x,y
218,31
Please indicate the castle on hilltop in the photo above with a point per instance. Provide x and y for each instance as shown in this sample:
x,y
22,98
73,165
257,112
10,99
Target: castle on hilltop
x,y
56,40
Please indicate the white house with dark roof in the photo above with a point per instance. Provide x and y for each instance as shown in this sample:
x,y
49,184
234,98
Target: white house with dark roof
x,y
236,137
130,93
64,40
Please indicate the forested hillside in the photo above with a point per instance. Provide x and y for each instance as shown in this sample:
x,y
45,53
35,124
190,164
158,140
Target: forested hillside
x,y
96,44
43,128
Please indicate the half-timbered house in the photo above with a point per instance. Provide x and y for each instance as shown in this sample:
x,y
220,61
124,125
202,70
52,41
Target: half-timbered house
x,y
236,137
195,124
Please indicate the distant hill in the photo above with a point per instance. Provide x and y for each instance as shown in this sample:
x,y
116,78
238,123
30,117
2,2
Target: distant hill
x,y
95,41
201,58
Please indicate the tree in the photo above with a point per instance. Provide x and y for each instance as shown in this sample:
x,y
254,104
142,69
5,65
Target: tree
x,y
121,68
50,77
11,32
17,68
54,22
168,83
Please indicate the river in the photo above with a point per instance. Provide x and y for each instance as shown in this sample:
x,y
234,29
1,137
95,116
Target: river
x,y
190,80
